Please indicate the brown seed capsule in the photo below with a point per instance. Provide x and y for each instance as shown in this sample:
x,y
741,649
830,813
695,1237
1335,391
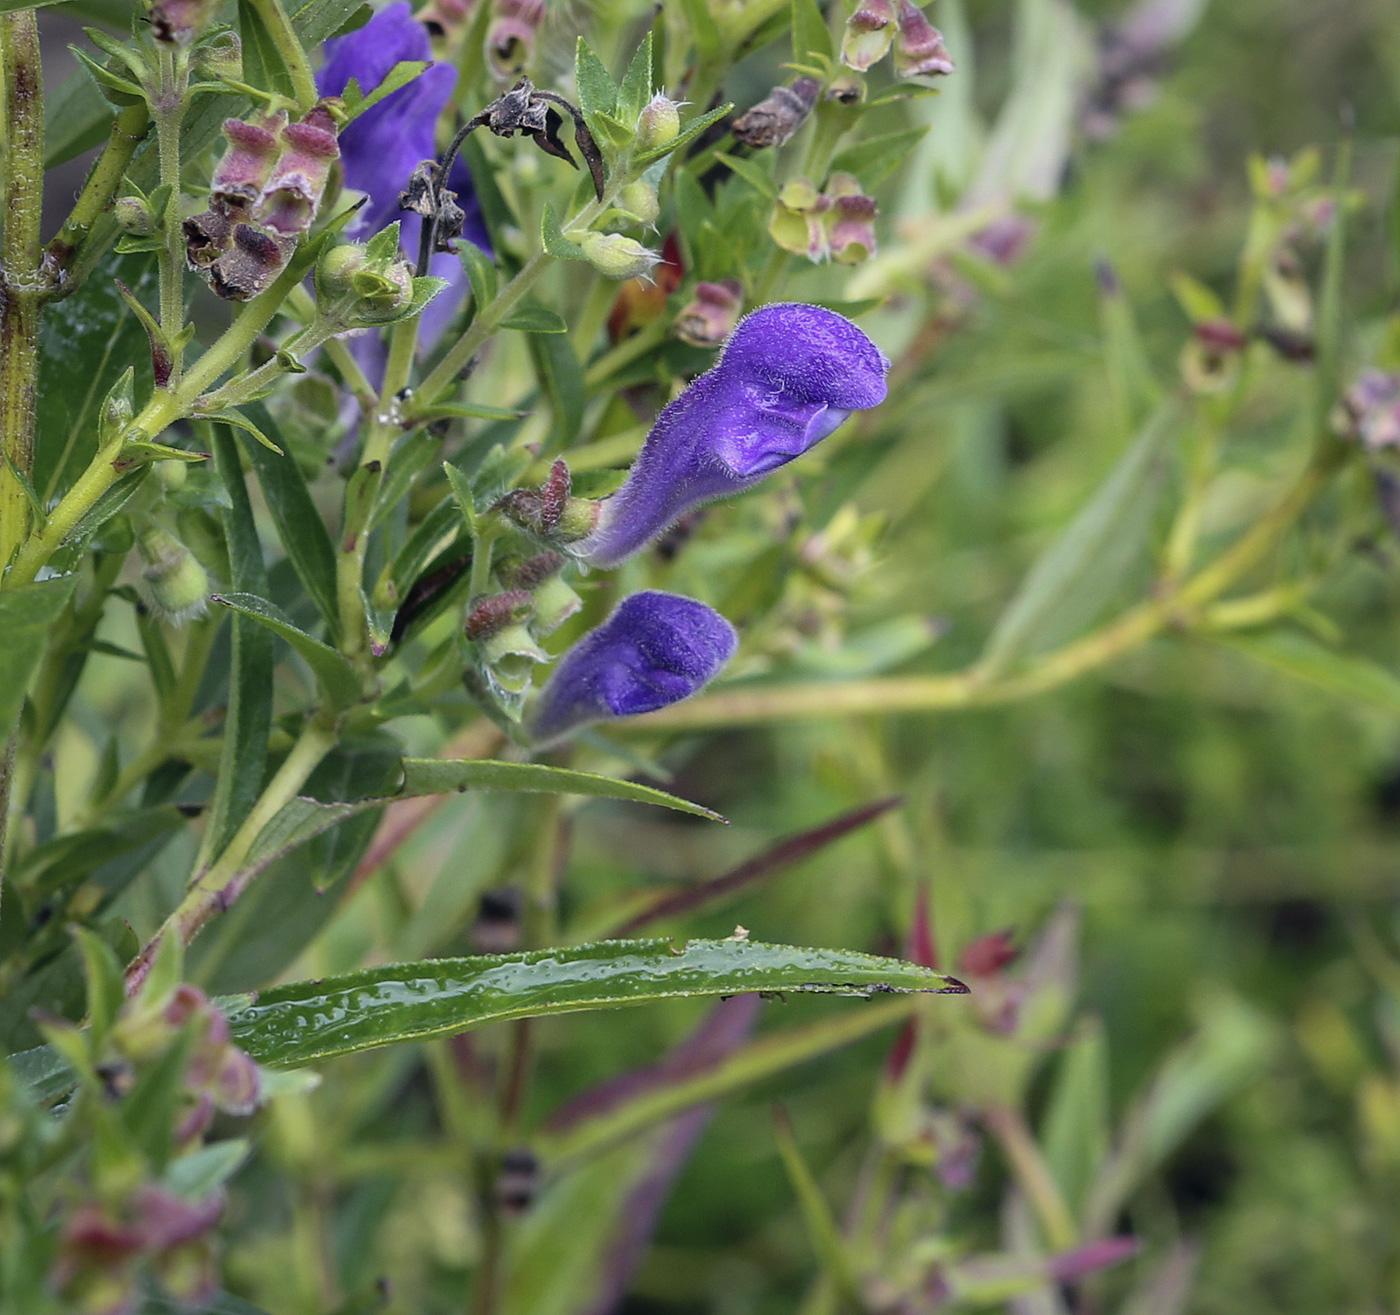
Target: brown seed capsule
x,y
776,118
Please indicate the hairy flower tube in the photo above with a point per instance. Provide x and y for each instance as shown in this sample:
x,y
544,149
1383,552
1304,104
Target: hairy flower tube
x,y
654,650
381,148
788,377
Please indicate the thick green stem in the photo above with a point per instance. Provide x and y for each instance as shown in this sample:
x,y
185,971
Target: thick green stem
x,y
215,890
289,46
129,130
23,285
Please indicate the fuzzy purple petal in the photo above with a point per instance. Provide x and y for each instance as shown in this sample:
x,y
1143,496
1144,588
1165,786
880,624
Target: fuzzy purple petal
x,y
788,377
654,650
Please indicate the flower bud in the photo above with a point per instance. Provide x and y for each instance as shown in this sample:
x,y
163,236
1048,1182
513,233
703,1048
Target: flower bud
x,y
848,89
919,50
549,512
870,32
639,201
491,615
133,216
616,256
289,201
776,119
171,475
176,583
553,600
659,123
220,58
357,291
852,221
179,22
711,314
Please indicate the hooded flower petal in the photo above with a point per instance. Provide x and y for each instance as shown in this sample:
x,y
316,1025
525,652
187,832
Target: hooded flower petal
x,y
381,148
788,377
654,650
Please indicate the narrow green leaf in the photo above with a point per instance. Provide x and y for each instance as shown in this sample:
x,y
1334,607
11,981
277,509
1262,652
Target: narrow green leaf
x,y
1076,577
195,1175
481,273
334,674
299,524
875,158
404,72
248,721
303,818
106,992
597,92
811,41
238,419
1346,675
26,615
76,118
555,243
635,91
756,172
303,1021
816,1213
532,317
263,65
703,30
69,858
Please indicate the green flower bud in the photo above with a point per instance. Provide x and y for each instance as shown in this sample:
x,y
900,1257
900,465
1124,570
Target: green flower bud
x,y
357,291
172,475
175,581
133,216
638,200
617,257
659,124
220,57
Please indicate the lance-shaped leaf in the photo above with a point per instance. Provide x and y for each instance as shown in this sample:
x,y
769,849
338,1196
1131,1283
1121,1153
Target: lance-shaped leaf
x,y
334,674
26,616
304,1021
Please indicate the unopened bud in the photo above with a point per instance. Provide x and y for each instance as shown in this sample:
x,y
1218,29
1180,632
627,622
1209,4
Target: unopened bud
x,y
659,123
133,216
711,314
848,89
919,51
491,615
354,290
172,475
616,256
870,32
176,583
776,118
220,58
639,201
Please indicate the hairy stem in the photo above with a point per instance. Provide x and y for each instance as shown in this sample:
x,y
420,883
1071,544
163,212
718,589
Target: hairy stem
x,y
23,285
216,889
289,46
169,105
64,251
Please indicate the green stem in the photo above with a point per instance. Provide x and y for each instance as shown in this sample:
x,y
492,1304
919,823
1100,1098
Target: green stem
x,y
971,688
129,130
289,46
169,110
238,391
486,322
627,351
23,285
1033,1174
216,889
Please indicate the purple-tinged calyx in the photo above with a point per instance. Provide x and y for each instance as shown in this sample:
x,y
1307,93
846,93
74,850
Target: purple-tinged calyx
x,y
654,650
919,51
247,164
870,32
710,315
293,193
789,376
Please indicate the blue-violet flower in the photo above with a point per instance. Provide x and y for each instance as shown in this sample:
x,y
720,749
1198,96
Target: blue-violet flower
x,y
788,377
381,148
654,650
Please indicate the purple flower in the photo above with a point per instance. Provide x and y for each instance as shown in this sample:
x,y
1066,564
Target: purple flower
x,y
788,377
382,147
654,650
